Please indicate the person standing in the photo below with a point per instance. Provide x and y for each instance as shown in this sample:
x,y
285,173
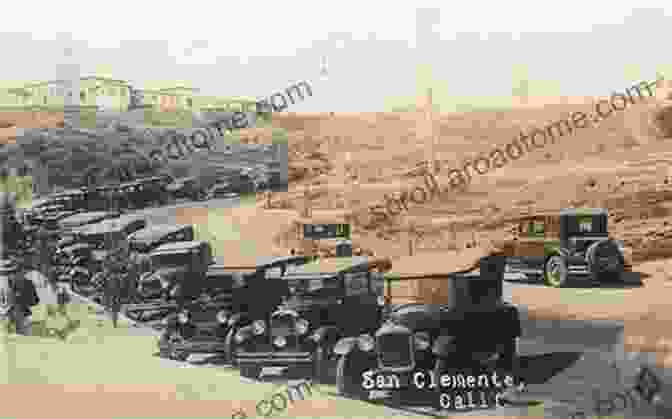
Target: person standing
x,y
25,295
113,285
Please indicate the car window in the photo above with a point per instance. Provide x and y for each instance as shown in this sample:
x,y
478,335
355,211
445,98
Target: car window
x,y
585,225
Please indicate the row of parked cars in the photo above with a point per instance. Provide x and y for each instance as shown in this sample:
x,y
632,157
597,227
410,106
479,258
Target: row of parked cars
x,y
332,318
148,191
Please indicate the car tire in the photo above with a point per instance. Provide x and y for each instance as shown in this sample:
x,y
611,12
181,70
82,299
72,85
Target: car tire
x,y
349,369
250,371
230,346
321,360
179,356
556,273
605,248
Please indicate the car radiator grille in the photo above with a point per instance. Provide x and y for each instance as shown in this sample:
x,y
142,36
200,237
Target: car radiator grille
x,y
395,351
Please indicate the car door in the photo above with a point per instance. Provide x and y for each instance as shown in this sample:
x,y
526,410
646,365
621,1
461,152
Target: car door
x,y
360,310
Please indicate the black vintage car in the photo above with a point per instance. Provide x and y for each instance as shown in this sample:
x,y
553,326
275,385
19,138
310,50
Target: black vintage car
x,y
153,190
204,328
104,198
328,299
436,322
151,237
187,188
178,275
575,242
101,238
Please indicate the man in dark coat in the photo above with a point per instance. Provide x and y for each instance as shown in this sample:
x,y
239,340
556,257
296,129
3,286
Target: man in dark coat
x,y
25,294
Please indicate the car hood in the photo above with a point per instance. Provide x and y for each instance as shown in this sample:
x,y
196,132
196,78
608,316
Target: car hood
x,y
416,316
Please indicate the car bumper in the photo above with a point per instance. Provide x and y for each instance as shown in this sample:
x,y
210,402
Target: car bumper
x,y
205,347
274,359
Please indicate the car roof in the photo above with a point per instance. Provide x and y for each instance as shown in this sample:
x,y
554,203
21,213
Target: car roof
x,y
113,224
341,265
183,245
437,264
584,211
67,192
84,217
157,231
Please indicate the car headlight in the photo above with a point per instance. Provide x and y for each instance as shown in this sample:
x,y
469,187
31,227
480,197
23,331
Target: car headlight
x,y
222,317
258,327
366,343
164,283
380,300
620,245
183,317
422,341
239,337
280,341
302,326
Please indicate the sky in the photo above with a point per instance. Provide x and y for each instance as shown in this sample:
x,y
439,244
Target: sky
x,y
378,55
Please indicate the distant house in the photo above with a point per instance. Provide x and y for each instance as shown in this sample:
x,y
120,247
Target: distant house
x,y
106,92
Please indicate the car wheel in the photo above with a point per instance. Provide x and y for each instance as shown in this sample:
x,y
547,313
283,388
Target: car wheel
x,y
230,346
555,272
605,261
349,370
179,356
250,371
321,363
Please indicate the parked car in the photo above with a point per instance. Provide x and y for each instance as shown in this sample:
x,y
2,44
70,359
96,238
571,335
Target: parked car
x,y
153,190
101,238
574,242
204,328
151,237
85,218
103,197
179,274
187,188
442,315
328,299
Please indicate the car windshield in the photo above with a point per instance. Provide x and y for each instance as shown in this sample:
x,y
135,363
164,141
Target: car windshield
x,y
315,287
587,226
171,259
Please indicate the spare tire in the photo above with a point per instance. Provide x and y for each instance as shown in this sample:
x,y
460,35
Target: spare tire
x,y
605,260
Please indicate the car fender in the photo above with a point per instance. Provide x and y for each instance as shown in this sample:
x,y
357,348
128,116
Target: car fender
x,y
345,346
444,346
236,319
329,334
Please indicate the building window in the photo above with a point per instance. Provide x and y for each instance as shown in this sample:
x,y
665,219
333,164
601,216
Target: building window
x,y
111,91
123,91
82,96
189,102
44,99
